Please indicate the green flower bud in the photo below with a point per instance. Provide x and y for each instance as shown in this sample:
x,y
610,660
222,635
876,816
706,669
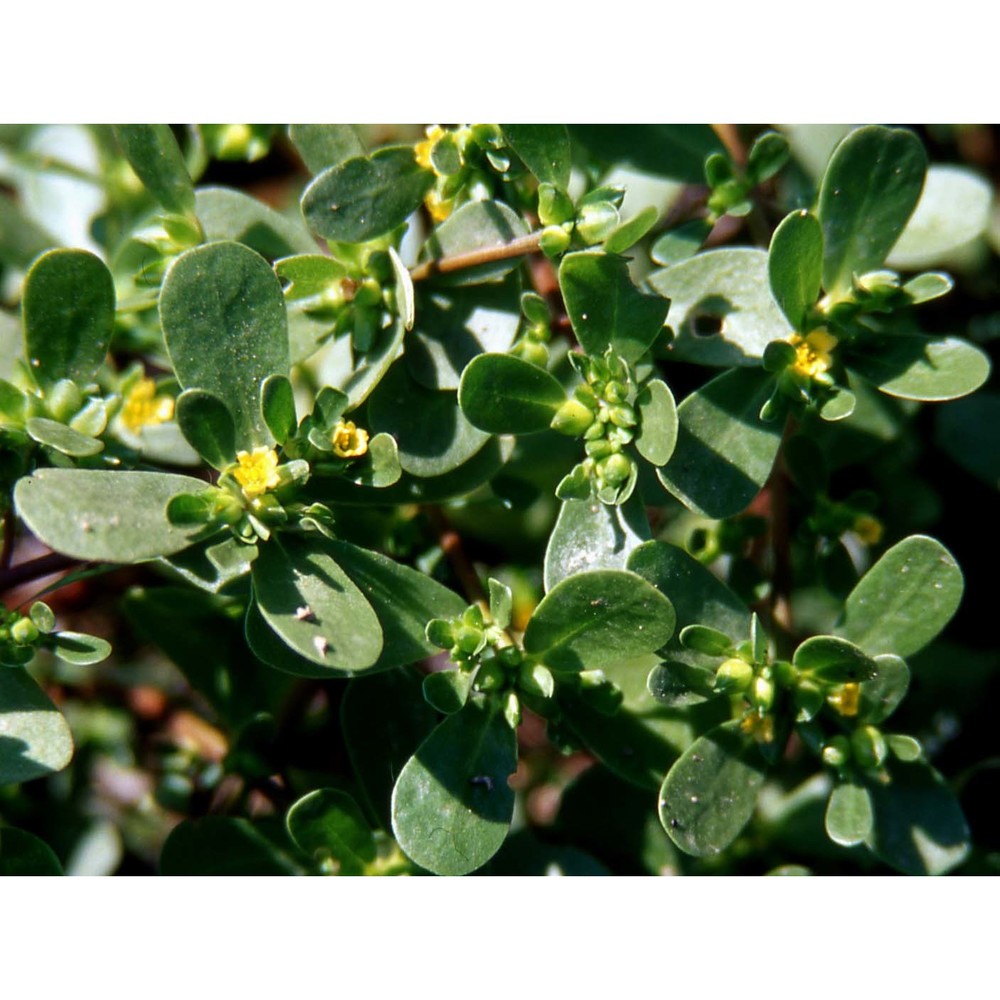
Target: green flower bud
x,y
763,692
63,400
554,241
597,222
509,657
585,394
623,416
535,678
24,632
733,675
490,677
837,752
869,747
469,639
598,448
572,418
615,469
533,352
615,392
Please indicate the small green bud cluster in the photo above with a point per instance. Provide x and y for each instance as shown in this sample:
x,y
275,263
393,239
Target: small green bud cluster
x,y
535,332
731,186
21,636
591,221
601,411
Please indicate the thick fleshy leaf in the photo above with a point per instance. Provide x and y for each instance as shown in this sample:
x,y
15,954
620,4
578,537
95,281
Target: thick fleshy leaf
x,y
503,394
833,660
328,826
207,424
366,196
322,146
313,605
432,434
452,806
545,150
881,695
68,313
358,376
913,366
657,436
454,325
384,719
277,407
226,214
953,210
710,794
849,815
75,647
104,516
597,618
591,535
631,231
721,308
223,318
215,564
478,225
606,309
34,737
674,151
223,845
904,600
795,265
154,155
63,439
919,826
22,853
724,451
447,690
871,186
681,243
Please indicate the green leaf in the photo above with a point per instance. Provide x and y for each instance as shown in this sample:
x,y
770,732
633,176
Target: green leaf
x,y
681,243
630,232
68,312
384,719
277,407
606,309
502,394
768,155
724,451
312,604
657,435
358,377
675,151
23,853
226,214
454,325
432,434
21,238
544,149
328,826
223,845
380,467
34,737
322,146
849,815
154,155
62,438
80,649
452,806
447,690
477,225
405,294
705,639
880,696
919,827
834,660
869,191
207,424
904,600
913,366
215,563
795,266
710,794
104,516
223,318
721,308
592,535
366,196
598,618
501,603
954,209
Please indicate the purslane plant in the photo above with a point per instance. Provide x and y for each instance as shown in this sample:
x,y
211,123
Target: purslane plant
x,y
391,351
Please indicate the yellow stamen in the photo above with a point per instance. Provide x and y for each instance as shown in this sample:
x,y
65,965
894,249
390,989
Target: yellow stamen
x,y
349,441
868,529
438,207
257,471
847,700
812,353
760,727
423,149
143,408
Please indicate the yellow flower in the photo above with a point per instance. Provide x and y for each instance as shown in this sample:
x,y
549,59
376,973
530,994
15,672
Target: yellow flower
x,y
438,207
760,727
812,353
142,407
868,529
257,471
349,441
847,700
423,149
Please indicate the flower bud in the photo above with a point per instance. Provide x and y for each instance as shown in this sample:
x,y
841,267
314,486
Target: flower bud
x,y
733,675
572,418
615,469
869,747
763,692
837,752
24,632
597,222
554,241
63,400
490,677
469,639
535,678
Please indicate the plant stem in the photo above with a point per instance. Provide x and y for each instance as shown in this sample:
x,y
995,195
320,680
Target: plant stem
x,y
9,530
451,545
54,562
521,247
